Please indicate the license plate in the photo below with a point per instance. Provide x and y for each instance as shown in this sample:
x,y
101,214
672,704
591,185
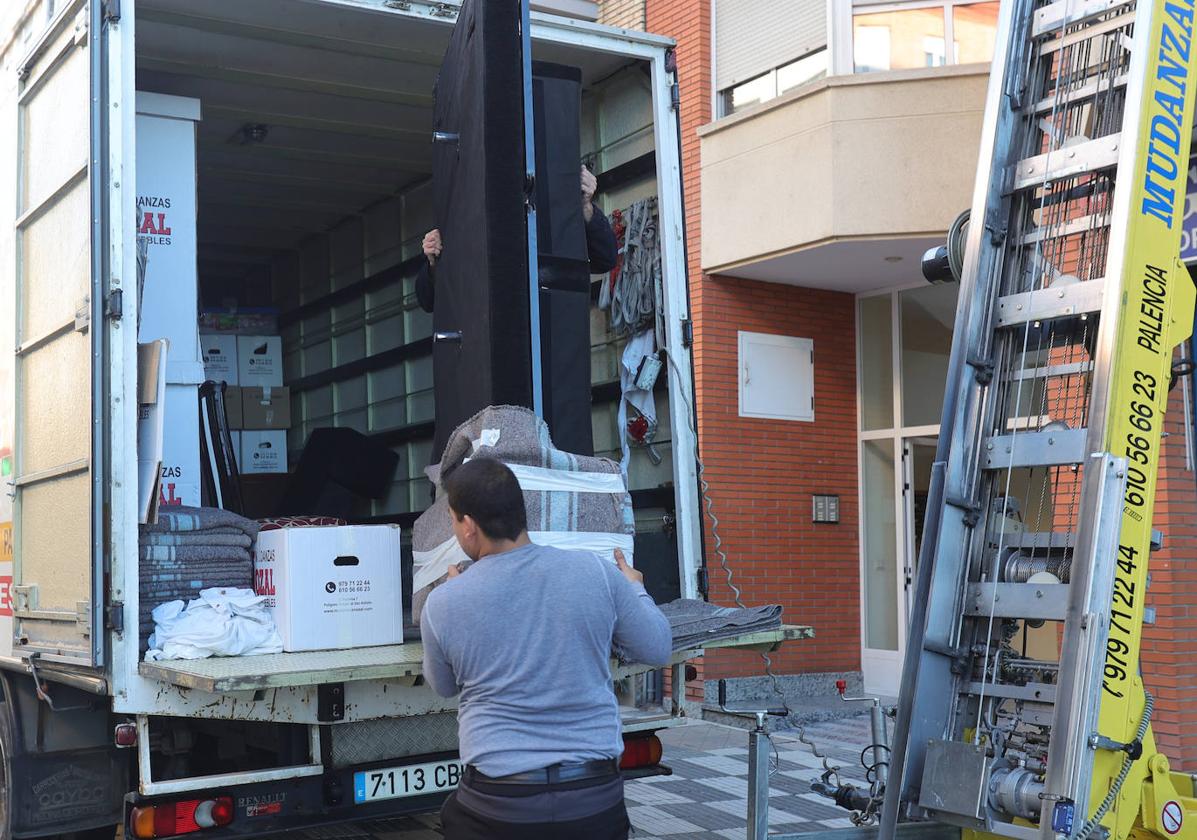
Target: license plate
x,y
408,780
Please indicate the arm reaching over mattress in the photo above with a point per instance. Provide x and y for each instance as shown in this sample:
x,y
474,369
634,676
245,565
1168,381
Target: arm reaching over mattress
x,y
641,629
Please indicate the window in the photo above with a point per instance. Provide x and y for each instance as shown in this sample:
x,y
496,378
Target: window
x,y
903,36
780,80
777,377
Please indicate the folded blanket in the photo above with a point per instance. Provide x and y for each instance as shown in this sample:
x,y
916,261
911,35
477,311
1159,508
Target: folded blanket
x,y
205,538
694,623
178,518
195,556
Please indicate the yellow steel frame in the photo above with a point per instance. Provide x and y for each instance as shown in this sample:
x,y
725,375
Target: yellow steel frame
x,y
1154,314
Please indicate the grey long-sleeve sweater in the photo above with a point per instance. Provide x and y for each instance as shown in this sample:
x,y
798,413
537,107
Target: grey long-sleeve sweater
x,y
525,638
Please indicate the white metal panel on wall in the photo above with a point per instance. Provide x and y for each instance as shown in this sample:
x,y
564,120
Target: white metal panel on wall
x,y
754,36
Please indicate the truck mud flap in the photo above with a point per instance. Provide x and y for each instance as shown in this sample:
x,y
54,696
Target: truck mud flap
x,y
67,791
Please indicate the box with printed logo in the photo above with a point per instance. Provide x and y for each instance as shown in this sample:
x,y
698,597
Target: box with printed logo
x,y
332,587
259,361
220,357
263,452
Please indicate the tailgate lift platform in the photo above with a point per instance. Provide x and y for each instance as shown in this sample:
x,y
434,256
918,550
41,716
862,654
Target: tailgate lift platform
x,y
388,662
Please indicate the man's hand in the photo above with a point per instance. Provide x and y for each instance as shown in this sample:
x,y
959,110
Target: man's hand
x,y
454,571
432,245
628,572
589,187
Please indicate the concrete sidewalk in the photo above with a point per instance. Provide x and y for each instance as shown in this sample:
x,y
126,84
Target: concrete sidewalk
x,y
706,797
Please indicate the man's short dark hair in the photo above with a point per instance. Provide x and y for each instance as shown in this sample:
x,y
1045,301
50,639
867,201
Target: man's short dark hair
x,y
488,491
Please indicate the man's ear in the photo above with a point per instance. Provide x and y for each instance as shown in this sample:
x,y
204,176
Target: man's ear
x,y
469,523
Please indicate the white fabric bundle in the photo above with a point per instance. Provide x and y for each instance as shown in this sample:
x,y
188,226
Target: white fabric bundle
x,y
220,622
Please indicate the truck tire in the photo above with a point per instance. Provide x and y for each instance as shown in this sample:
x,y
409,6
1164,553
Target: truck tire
x,y
5,771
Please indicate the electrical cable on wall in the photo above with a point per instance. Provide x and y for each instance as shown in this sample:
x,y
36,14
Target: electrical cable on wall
x,y
830,771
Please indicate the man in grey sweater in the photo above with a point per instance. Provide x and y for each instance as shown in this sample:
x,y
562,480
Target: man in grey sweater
x,y
524,636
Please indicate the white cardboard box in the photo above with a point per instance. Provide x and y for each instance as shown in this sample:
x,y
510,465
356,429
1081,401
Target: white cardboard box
x,y
260,361
263,452
220,357
332,588
166,213
180,481
151,410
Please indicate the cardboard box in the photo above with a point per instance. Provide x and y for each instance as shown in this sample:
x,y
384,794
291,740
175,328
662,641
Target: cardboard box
x,y
151,409
166,220
263,452
180,474
332,588
232,408
220,357
259,361
265,408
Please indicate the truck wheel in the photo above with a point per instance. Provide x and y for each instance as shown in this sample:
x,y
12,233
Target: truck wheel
x,y
5,769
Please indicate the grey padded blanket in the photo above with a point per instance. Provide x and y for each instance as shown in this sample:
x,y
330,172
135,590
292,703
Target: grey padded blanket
x,y
695,622
517,437
188,550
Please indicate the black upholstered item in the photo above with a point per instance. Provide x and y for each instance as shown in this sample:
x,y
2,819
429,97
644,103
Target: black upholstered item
x,y
560,230
478,183
338,468
565,355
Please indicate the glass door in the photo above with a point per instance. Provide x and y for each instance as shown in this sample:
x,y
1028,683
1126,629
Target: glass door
x,y
918,453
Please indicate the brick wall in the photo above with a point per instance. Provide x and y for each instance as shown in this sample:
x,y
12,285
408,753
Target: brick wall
x,y
1168,661
762,473
626,14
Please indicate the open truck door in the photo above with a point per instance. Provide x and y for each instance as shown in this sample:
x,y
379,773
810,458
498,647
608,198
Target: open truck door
x,y
59,325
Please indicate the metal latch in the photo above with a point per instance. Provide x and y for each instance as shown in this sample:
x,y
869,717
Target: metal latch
x,y
112,11
687,332
114,306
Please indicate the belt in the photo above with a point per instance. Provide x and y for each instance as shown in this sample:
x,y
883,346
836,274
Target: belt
x,y
557,774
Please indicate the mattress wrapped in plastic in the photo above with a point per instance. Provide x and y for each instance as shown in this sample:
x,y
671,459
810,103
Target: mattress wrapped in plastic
x,y
574,502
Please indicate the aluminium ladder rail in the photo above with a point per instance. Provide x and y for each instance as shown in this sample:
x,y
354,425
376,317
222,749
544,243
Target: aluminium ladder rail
x,y
1022,713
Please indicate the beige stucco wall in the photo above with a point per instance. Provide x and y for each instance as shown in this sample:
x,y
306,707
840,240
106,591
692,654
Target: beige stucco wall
x,y
877,155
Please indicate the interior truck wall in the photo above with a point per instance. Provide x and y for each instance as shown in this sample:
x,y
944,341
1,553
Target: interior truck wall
x,y
395,402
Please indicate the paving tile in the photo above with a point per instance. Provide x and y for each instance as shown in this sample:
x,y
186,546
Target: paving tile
x,y
654,822
720,764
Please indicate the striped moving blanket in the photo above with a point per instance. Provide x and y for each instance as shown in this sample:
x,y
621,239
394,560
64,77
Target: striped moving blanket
x,y
574,502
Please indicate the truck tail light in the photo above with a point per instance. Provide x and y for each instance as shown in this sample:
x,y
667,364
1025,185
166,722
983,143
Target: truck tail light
x,y
125,735
640,751
168,819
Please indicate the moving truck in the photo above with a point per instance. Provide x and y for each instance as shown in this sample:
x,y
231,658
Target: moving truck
x,y
312,187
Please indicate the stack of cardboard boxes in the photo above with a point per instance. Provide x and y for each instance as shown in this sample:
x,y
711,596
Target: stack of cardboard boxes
x,y
257,402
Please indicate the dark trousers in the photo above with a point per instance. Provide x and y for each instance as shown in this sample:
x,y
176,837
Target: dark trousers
x,y
459,823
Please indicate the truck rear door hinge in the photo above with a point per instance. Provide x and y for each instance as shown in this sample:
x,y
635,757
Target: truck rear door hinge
x,y
703,582
687,332
114,617
112,11
114,304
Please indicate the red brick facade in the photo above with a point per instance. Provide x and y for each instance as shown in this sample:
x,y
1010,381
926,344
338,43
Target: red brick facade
x,y
763,472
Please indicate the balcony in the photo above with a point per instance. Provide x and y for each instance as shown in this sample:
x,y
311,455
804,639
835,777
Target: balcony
x,y
842,184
